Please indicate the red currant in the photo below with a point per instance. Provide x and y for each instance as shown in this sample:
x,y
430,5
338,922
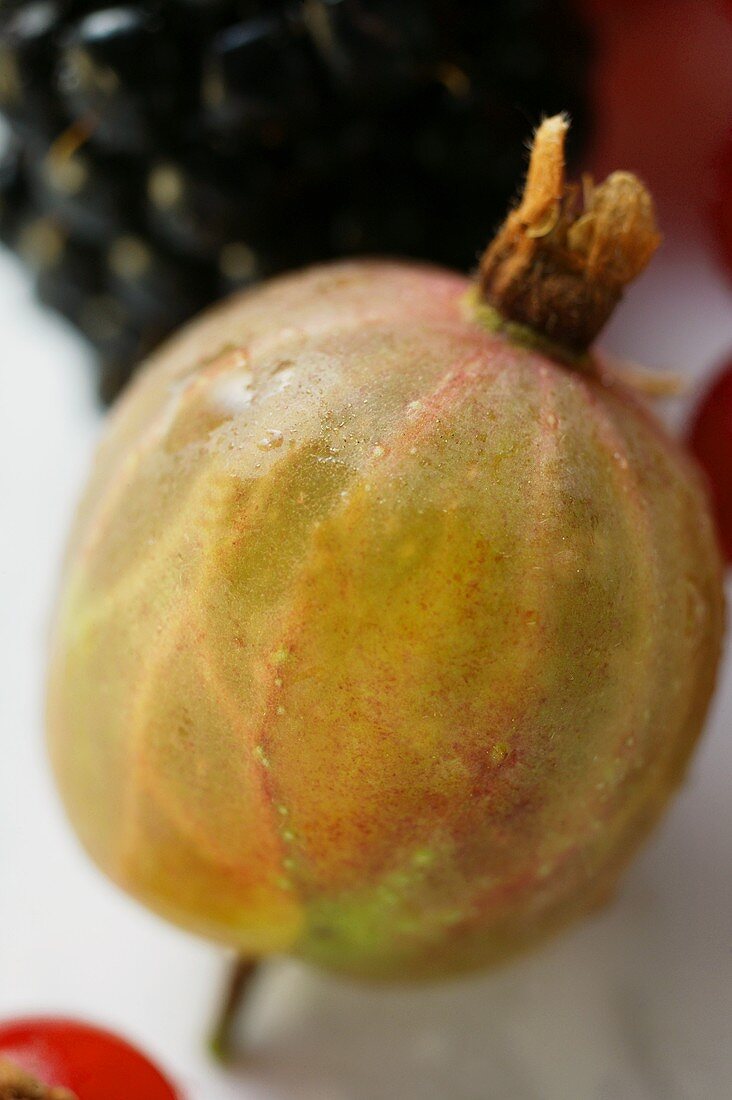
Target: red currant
x,y
90,1063
710,439
723,205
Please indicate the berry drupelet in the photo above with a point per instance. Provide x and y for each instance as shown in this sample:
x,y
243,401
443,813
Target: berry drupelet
x,y
179,149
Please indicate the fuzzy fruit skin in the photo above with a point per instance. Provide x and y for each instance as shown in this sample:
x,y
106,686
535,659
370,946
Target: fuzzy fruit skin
x,y
382,641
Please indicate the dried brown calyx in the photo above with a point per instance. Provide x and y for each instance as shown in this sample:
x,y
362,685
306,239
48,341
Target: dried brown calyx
x,y
15,1084
563,256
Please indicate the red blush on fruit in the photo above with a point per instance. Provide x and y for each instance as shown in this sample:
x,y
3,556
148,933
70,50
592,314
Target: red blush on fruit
x,y
90,1063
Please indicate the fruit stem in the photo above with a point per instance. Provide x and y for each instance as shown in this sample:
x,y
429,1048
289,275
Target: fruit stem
x,y
563,256
238,985
15,1084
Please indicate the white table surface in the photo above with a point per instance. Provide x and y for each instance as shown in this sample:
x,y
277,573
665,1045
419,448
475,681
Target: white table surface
x,y
636,1004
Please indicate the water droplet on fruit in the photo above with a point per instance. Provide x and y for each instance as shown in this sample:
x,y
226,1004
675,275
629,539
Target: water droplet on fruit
x,y
272,439
261,756
696,609
233,393
499,752
282,364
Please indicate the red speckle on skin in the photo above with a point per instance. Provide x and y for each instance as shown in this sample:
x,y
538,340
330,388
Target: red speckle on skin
x,y
438,804
491,775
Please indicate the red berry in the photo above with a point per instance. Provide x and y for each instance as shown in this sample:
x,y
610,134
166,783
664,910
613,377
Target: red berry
x,y
92,1064
723,205
710,439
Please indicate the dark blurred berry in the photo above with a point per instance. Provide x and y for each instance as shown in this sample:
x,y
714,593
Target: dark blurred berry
x,y
67,277
118,336
123,68
198,208
238,266
28,53
374,48
155,285
91,196
39,241
259,78
166,152
14,200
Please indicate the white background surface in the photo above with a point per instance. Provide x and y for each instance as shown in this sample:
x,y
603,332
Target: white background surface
x,y
634,1005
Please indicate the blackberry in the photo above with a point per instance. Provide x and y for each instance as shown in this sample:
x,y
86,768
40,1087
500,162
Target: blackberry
x,y
68,274
164,153
375,48
92,196
122,67
259,79
28,48
14,200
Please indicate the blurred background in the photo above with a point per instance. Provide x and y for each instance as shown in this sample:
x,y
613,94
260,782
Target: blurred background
x,y
158,155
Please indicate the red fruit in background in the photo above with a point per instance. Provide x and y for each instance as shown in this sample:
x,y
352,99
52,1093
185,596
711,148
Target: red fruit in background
x,y
92,1064
710,439
722,223
663,99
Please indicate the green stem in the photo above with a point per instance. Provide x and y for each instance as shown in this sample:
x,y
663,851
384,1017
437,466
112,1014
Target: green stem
x,y
220,1042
